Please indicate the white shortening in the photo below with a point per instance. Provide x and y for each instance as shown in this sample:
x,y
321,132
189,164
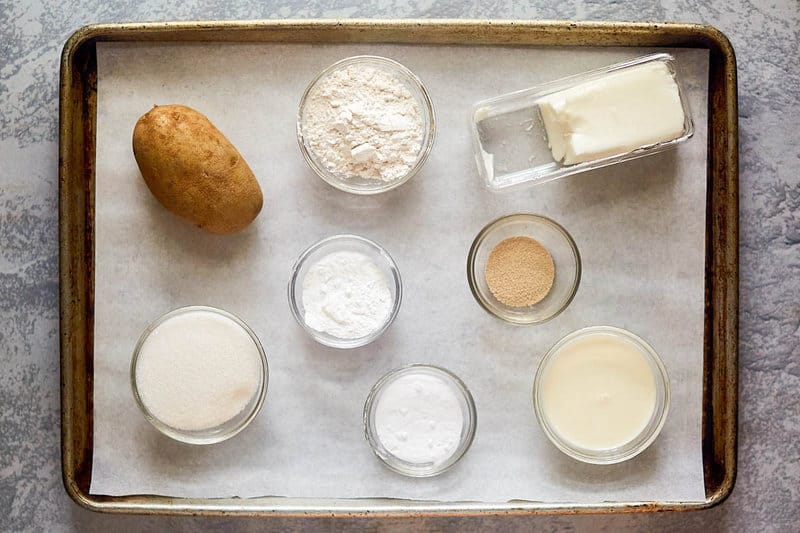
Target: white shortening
x,y
614,114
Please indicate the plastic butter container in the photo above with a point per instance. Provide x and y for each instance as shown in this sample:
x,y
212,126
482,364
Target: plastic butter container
x,y
579,123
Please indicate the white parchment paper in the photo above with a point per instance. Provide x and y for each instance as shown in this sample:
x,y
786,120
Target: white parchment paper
x,y
639,227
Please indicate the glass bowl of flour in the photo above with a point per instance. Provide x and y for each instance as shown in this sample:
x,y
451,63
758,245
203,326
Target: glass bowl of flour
x,y
366,124
345,291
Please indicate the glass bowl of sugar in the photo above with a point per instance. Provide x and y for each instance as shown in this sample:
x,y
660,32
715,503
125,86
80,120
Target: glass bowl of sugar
x,y
366,124
345,291
199,374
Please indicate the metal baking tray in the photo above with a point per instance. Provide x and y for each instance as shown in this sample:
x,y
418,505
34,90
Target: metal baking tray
x,y
78,106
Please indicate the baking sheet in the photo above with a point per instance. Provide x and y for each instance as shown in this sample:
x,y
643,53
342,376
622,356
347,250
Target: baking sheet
x,y
639,227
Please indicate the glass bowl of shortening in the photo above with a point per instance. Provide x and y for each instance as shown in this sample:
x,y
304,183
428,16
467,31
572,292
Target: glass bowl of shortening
x,y
345,291
366,124
524,268
199,374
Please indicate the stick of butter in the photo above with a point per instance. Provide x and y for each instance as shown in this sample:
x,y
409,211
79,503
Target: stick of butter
x,y
614,114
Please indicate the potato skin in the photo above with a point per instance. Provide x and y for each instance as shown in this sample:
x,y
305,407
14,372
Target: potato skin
x,y
194,171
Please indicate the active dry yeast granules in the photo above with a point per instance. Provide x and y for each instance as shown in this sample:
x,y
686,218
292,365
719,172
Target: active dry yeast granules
x,y
520,271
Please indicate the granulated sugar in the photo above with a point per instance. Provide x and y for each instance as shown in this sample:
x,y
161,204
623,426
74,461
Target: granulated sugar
x,y
197,370
361,121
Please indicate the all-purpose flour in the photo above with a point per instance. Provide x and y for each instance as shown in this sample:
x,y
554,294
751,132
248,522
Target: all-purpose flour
x,y
345,294
362,121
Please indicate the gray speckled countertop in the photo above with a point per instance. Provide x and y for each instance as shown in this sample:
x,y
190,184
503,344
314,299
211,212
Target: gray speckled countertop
x,y
767,41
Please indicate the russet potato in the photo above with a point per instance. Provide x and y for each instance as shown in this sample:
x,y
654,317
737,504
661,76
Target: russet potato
x,y
193,169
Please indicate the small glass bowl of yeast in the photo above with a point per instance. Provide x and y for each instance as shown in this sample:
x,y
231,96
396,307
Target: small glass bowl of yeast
x,y
199,374
550,239
353,182
601,395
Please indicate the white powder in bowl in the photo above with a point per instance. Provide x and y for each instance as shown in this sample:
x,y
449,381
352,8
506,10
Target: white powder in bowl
x,y
345,294
418,419
197,370
361,121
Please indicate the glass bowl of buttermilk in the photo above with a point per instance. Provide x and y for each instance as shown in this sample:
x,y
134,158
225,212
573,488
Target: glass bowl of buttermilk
x,y
601,395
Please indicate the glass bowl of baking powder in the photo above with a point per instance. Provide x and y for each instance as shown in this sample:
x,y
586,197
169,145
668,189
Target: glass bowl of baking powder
x,y
366,124
420,420
345,291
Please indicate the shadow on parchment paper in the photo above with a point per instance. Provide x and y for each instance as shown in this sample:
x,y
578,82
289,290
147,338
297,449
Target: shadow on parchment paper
x,y
350,363
185,240
652,176
635,472
362,211
188,462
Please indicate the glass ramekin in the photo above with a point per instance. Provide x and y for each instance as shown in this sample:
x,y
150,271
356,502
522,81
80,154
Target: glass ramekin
x,y
225,430
355,184
549,234
468,426
636,445
339,243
